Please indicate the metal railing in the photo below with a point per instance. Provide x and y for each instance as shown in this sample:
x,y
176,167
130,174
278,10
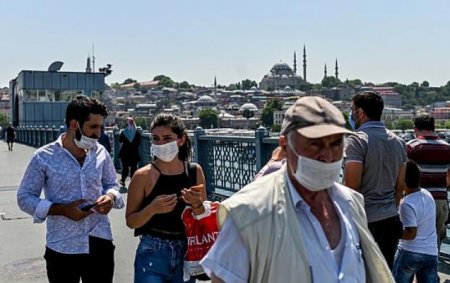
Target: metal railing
x,y
229,162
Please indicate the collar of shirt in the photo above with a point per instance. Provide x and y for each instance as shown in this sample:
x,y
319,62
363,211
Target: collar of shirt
x,y
333,192
428,137
371,124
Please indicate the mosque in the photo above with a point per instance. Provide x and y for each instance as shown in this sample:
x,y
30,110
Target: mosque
x,y
282,76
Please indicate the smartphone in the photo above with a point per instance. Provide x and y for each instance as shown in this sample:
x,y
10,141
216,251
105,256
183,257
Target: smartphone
x,y
88,207
198,187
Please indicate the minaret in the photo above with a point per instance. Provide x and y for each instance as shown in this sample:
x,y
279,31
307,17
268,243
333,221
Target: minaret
x,y
336,70
295,63
215,86
325,71
304,63
88,65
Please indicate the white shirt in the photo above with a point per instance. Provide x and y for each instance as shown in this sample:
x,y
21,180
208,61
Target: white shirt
x,y
229,259
419,210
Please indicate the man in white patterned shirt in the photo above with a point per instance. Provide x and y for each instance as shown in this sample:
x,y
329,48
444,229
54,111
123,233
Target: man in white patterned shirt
x,y
79,183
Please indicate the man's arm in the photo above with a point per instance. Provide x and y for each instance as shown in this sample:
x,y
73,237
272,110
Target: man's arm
x,y
29,192
409,233
399,184
353,174
215,279
448,178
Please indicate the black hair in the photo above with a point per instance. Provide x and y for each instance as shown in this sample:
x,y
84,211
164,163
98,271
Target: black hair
x,y
177,126
412,175
81,107
371,103
425,122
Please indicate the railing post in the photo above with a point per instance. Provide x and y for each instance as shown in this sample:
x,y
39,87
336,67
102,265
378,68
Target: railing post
x,y
260,134
116,147
144,148
199,158
54,133
45,140
27,135
202,159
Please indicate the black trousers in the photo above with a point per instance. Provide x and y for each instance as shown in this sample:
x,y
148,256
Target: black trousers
x,y
97,266
386,233
126,166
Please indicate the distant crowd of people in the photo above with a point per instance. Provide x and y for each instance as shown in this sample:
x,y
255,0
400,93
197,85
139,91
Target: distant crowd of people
x,y
383,220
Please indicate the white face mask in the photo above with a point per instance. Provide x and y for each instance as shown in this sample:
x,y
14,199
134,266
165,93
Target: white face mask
x,y
84,142
316,175
166,152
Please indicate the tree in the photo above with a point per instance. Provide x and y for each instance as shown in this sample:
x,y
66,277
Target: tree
x,y
208,118
447,124
164,81
129,81
425,84
3,120
247,84
330,82
247,114
184,84
403,124
267,114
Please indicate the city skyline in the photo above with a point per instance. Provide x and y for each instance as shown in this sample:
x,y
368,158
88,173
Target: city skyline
x,y
195,41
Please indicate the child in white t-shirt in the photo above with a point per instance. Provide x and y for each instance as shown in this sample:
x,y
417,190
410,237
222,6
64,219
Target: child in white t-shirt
x,y
417,252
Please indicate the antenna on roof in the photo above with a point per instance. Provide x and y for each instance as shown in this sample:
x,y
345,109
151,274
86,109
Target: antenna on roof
x,y
93,58
55,66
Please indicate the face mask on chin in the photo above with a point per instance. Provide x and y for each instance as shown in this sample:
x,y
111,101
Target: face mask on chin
x,y
315,175
82,141
166,152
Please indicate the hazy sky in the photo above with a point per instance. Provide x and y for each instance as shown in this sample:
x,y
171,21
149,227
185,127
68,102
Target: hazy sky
x,y
195,40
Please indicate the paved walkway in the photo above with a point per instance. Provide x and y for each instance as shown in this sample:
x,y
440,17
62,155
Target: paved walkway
x,y
22,242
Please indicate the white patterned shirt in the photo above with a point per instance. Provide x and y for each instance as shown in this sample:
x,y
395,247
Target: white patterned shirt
x,y
56,172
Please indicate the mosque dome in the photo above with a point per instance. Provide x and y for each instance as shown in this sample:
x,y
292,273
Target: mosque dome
x,y
249,106
206,99
280,67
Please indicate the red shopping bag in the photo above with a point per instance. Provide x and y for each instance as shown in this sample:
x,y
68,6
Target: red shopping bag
x,y
201,232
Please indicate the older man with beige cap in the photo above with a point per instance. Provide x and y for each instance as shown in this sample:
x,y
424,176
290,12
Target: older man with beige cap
x,y
298,224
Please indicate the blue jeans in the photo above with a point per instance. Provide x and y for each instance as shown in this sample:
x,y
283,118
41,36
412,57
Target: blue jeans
x,y
159,261
407,264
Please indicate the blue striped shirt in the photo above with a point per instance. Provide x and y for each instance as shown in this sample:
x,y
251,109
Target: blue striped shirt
x,y
54,170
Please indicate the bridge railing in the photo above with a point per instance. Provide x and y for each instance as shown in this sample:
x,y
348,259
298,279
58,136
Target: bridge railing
x,y
229,162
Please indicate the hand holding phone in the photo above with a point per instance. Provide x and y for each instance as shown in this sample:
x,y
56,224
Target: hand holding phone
x,y
88,207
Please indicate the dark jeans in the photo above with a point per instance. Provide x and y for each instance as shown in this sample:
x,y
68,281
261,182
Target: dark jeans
x,y
386,233
128,166
407,264
97,266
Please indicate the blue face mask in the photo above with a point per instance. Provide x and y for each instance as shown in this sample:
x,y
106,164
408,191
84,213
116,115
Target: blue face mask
x,y
351,121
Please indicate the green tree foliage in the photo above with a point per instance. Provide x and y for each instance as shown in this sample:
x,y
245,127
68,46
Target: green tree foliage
x,y
184,84
403,124
143,122
3,121
129,81
267,114
354,83
330,82
164,81
248,84
447,124
208,118
247,114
